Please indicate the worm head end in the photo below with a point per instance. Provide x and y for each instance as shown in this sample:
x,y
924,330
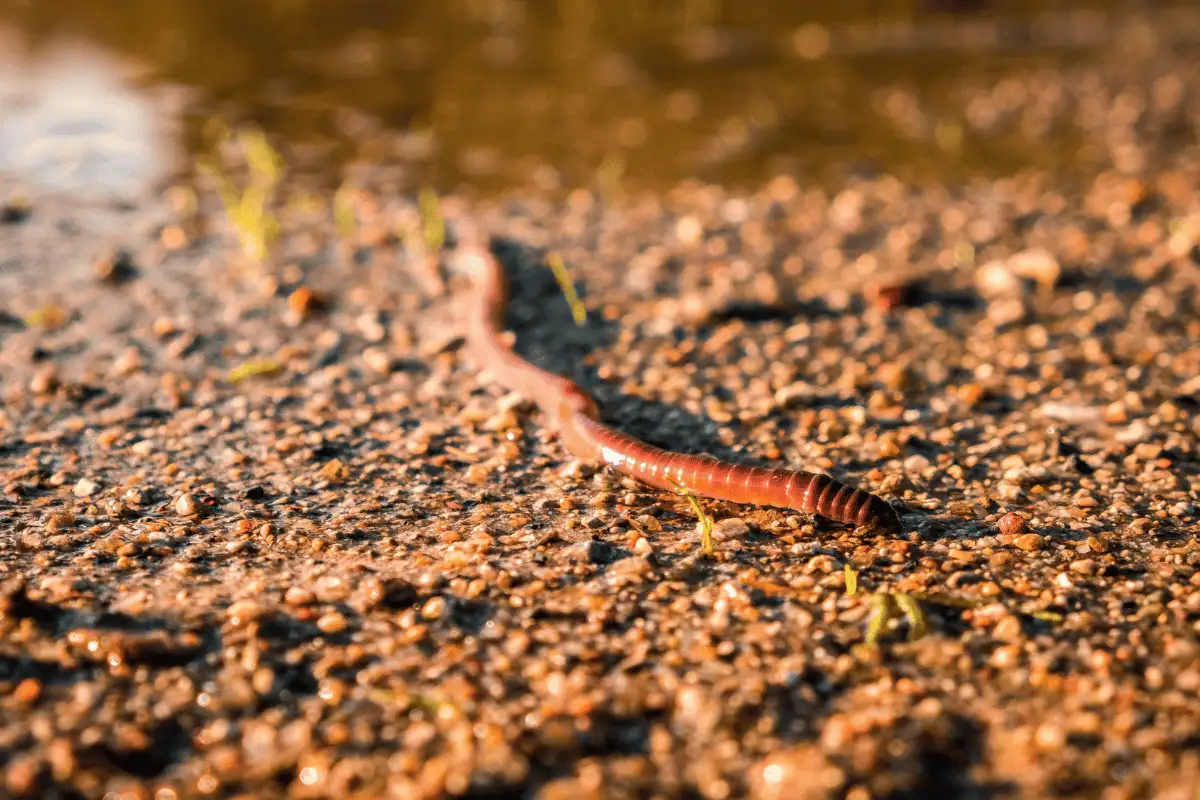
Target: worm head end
x,y
472,261
884,516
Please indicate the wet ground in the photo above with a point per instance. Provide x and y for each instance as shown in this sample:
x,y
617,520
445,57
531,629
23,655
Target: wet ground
x,y
265,531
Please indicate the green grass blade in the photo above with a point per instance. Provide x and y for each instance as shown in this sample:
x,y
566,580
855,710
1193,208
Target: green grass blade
x,y
917,625
432,223
706,523
851,580
578,309
883,610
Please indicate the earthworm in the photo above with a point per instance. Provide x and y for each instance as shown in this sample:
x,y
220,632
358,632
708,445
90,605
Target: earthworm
x,y
576,418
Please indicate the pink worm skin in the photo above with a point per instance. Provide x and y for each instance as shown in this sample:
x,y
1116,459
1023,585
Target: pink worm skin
x,y
576,418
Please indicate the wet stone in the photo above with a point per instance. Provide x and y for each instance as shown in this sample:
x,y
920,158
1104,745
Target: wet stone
x,y
1013,524
1029,542
592,551
186,506
730,528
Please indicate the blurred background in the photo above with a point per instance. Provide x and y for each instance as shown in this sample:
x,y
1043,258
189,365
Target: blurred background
x,y
548,95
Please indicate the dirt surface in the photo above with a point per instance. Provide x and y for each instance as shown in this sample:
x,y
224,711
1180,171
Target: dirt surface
x,y
370,573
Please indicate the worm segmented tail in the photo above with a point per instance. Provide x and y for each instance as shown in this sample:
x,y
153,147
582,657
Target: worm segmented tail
x,y
575,416
812,493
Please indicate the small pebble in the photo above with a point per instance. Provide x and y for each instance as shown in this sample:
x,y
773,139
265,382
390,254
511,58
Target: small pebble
x,y
1084,566
115,268
1013,524
394,593
824,563
299,596
302,302
1008,629
15,212
638,566
186,506
332,623
127,363
378,360
45,381
1029,542
243,612
1037,265
731,528
1050,737
28,692
434,608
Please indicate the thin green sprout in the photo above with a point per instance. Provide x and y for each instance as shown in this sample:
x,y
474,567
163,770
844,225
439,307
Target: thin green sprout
x,y
578,309
254,369
851,580
343,210
609,174
248,209
883,610
432,224
917,626
706,523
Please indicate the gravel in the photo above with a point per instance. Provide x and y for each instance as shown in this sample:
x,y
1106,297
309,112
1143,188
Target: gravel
x,y
357,568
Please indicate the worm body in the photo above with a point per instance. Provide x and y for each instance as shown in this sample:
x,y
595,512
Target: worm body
x,y
575,416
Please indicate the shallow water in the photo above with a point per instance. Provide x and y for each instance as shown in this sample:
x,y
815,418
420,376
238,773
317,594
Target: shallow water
x,y
69,121
503,94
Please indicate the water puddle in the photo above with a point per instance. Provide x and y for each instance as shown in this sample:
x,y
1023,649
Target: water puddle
x,y
71,119
509,95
